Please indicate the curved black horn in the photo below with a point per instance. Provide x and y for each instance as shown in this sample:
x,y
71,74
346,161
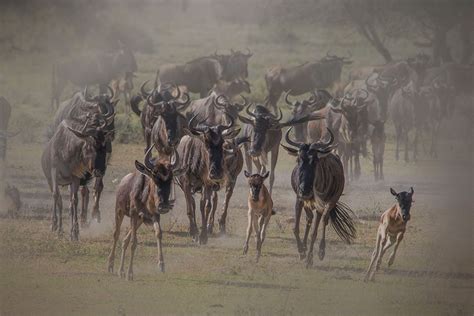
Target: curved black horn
x,y
218,104
150,101
183,104
112,93
291,142
230,125
240,106
155,85
175,159
286,98
247,109
147,159
145,93
366,94
179,91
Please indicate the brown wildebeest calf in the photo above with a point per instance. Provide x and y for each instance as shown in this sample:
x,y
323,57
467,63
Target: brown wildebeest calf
x,y
393,223
143,196
260,209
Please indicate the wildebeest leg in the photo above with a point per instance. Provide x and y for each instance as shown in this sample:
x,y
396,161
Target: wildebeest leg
x,y
394,253
159,235
389,243
309,220
357,165
399,135
228,194
375,165
191,211
273,163
263,230
415,143
382,238
118,224
134,220
205,210
74,187
210,224
322,243
85,204
249,232
56,197
309,258
405,138
258,222
273,98
374,254
296,229
98,188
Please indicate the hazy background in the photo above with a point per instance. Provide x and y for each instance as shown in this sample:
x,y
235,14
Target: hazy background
x,y
42,274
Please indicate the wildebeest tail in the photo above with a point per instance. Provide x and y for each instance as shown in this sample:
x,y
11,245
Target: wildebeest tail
x,y
342,222
134,102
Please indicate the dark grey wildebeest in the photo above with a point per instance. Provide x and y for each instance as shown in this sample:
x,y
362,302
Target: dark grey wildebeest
x,y
100,69
264,130
69,156
318,181
5,112
76,110
144,196
202,156
201,74
303,78
161,117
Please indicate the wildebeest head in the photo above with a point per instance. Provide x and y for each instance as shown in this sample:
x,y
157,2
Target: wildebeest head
x,y
106,107
223,103
255,183
355,112
446,93
124,60
307,161
404,201
235,65
161,172
262,121
94,150
213,138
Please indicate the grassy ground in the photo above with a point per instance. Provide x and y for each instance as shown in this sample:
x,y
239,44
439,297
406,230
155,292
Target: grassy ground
x,y
43,274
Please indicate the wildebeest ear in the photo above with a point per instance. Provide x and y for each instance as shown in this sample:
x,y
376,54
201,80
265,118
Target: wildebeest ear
x,y
246,173
142,169
228,134
77,133
412,191
291,151
114,104
393,192
265,175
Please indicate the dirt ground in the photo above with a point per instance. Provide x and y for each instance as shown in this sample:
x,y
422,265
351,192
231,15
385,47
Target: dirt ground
x,y
41,273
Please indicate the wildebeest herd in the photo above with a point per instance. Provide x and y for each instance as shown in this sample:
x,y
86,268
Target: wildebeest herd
x,y
202,144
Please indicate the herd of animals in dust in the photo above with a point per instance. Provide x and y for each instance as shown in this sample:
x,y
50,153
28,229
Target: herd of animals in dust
x,y
202,144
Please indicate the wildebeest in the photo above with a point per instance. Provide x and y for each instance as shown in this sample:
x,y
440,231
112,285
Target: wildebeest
x,y
201,74
12,200
264,130
161,106
377,139
407,112
69,156
90,70
144,196
303,108
124,86
260,206
318,181
76,110
393,223
303,78
202,157
5,112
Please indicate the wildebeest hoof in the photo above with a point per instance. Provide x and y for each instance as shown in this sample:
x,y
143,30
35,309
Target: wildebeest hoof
x,y
130,276
302,255
246,249
121,274
54,226
321,253
111,268
203,238
161,264
210,229
390,261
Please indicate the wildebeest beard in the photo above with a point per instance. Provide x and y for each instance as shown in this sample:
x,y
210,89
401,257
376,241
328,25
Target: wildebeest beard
x,y
214,143
171,126
306,172
260,130
163,191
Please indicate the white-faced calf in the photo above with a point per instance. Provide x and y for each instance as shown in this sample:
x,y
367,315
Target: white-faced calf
x,y
260,209
393,223
143,196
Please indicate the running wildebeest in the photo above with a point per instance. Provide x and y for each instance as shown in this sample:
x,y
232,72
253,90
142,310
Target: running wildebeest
x,y
76,110
303,78
264,130
391,230
318,181
201,74
202,157
162,107
100,69
260,206
69,156
144,196
303,108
